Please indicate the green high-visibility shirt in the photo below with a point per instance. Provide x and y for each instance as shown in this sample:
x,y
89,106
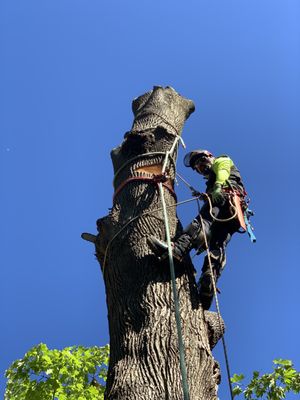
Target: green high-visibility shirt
x,y
222,168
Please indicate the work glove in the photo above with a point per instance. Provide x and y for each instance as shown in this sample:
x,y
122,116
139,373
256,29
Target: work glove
x,y
216,194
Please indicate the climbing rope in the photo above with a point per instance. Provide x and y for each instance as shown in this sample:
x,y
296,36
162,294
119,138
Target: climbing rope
x,y
211,209
185,388
217,304
212,273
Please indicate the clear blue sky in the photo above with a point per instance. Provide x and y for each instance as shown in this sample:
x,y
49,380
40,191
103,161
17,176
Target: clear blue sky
x,y
69,70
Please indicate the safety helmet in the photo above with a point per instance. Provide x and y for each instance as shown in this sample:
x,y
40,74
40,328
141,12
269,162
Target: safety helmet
x,y
196,155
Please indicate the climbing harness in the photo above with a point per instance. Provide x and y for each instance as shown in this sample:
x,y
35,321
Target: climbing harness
x,y
240,207
211,209
202,195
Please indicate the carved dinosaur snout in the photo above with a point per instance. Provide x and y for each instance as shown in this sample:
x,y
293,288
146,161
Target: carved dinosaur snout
x,y
159,115
170,107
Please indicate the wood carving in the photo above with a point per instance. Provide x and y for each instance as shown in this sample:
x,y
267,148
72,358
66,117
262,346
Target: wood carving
x,y
144,359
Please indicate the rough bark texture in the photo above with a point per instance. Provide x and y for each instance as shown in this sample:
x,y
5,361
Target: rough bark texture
x,y
144,360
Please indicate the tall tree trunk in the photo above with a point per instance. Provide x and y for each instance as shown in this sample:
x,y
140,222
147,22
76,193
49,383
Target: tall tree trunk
x,y
144,359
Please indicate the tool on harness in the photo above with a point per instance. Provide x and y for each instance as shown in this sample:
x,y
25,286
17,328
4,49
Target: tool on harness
x,y
247,214
243,212
244,215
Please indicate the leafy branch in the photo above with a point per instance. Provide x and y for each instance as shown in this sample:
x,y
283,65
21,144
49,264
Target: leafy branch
x,y
75,373
273,386
79,373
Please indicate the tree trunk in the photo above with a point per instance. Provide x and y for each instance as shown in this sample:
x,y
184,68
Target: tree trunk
x,y
144,359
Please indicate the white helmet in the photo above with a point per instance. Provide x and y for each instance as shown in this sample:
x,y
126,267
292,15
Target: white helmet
x,y
197,155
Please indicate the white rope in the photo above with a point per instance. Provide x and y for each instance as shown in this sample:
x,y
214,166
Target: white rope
x,y
217,306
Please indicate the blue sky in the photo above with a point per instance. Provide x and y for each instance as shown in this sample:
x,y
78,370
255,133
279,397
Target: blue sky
x,y
68,73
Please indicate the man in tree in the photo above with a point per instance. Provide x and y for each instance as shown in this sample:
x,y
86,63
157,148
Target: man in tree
x,y
221,217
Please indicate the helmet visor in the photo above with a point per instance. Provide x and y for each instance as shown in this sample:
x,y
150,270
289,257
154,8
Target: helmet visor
x,y
192,158
187,160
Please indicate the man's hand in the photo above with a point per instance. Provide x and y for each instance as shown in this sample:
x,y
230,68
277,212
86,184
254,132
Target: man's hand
x,y
216,194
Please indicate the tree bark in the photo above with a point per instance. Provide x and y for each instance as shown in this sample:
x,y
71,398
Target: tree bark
x,y
144,359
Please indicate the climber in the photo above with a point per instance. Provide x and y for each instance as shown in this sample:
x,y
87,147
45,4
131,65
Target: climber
x,y
223,184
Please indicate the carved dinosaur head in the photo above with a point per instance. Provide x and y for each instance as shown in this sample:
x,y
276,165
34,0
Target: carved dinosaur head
x,y
159,115
163,106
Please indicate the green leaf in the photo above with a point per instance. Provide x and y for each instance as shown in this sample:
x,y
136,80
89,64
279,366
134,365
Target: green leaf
x,y
237,378
236,391
255,374
280,361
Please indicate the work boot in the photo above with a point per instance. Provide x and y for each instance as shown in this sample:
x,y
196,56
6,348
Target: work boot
x,y
192,237
179,248
158,247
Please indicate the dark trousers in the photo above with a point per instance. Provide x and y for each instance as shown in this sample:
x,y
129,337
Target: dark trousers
x,y
218,235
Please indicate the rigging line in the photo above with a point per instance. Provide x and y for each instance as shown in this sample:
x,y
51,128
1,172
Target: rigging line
x,y
217,306
185,181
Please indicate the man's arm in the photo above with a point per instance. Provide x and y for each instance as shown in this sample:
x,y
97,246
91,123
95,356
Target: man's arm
x,y
222,167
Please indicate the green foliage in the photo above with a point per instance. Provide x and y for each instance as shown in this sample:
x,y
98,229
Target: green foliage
x,y
273,386
72,373
76,373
